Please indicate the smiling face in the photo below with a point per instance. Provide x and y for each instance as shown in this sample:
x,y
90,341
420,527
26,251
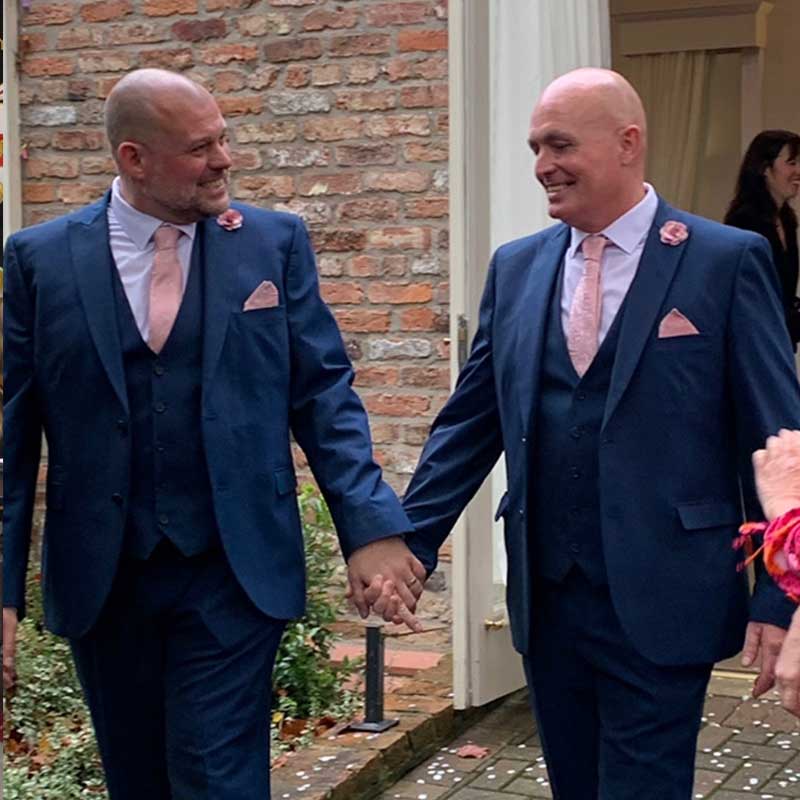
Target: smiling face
x,y
783,177
178,172
588,156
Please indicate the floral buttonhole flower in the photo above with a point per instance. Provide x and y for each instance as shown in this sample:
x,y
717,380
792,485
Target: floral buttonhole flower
x,y
673,233
231,219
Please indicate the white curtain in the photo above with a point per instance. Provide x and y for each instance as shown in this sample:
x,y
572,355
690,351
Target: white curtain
x,y
532,41
674,88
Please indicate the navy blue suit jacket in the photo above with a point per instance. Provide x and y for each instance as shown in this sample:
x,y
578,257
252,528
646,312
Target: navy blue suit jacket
x,y
266,373
683,416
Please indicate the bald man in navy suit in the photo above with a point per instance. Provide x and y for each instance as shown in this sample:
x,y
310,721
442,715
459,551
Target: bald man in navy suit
x,y
628,360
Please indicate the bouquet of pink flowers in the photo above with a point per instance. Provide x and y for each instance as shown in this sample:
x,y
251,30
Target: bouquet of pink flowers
x,y
781,549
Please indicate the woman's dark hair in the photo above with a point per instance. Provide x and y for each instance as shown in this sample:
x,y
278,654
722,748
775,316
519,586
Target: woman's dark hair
x,y
752,197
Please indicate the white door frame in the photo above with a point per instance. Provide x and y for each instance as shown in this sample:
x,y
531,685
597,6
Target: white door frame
x,y
9,124
475,620
501,55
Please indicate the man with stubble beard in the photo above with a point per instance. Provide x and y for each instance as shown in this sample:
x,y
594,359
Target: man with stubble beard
x,y
167,344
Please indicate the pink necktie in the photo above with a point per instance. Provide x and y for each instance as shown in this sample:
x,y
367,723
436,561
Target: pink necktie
x,y
583,327
166,286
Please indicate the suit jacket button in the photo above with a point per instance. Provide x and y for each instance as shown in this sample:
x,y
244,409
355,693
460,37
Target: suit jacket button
x,y
117,498
122,426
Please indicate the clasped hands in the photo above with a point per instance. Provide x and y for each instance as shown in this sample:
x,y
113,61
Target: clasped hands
x,y
385,577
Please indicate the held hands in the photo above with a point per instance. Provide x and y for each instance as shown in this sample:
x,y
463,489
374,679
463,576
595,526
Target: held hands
x,y
385,577
777,471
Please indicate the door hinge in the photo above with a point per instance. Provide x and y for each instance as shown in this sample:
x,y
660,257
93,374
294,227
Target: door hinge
x,y
463,340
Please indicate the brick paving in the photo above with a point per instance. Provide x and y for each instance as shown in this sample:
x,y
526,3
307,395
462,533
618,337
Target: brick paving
x,y
747,749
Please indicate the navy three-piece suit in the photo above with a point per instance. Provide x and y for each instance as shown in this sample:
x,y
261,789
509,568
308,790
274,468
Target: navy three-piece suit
x,y
173,550
625,491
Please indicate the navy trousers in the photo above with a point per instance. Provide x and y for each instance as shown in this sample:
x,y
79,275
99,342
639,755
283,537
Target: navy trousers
x,y
177,675
614,726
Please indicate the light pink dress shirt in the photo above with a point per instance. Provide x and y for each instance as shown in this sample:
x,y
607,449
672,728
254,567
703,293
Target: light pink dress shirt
x,y
627,236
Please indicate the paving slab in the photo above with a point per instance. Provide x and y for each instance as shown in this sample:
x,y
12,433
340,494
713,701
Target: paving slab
x,y
499,774
468,793
746,749
522,752
760,752
531,787
750,776
705,781
407,790
726,795
712,736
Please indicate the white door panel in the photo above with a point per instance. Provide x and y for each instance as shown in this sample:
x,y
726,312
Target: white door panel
x,y
502,53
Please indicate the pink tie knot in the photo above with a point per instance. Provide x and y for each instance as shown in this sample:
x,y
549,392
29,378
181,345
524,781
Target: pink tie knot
x,y
593,247
166,238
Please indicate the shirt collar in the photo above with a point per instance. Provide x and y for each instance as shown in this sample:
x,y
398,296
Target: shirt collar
x,y
138,226
627,231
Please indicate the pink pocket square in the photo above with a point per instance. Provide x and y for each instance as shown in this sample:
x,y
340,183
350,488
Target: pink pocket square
x,y
676,324
265,295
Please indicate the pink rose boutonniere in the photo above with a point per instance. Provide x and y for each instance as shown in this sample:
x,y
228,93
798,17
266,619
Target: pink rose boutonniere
x,y
781,549
673,233
231,219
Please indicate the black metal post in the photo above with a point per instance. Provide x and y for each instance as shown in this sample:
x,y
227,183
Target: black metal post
x,y
373,704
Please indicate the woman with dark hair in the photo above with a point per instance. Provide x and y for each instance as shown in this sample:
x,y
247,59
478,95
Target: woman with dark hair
x,y
768,179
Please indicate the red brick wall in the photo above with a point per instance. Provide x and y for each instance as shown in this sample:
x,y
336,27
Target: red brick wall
x,y
339,114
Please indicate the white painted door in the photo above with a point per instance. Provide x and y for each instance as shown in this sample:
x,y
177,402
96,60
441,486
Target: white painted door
x,y
502,53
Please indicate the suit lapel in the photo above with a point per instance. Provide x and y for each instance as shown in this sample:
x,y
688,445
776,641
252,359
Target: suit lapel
x,y
220,256
534,309
93,265
657,268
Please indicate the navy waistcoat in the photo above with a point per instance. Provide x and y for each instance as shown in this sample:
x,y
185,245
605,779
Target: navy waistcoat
x,y
170,491
565,500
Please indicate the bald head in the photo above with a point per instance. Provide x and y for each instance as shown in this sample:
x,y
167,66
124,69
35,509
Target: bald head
x,y
141,105
588,132
170,145
603,93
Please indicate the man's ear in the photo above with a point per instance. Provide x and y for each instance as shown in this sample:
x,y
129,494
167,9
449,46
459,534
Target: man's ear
x,y
631,143
130,158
